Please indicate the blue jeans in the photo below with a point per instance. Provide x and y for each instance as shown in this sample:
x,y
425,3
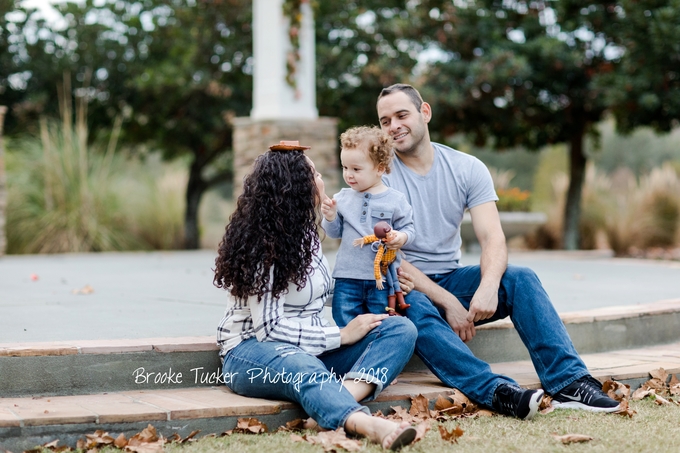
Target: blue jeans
x,y
352,298
520,296
278,370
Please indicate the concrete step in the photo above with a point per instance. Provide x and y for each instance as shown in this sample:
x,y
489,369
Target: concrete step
x,y
26,422
89,366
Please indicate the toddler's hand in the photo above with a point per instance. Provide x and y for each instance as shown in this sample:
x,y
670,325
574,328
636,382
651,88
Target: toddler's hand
x,y
395,239
329,208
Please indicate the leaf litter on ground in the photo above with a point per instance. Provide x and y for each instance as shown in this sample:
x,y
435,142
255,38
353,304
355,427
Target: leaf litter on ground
x,y
446,407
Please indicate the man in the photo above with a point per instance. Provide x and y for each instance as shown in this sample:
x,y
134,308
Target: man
x,y
449,300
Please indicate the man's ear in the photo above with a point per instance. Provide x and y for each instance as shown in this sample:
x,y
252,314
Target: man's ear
x,y
426,111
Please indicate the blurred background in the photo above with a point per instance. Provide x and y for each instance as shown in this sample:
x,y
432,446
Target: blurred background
x,y
118,132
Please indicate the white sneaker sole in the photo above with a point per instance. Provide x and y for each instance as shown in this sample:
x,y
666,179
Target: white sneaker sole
x,y
583,407
534,403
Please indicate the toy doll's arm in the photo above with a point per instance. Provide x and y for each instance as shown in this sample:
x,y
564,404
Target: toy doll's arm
x,y
365,240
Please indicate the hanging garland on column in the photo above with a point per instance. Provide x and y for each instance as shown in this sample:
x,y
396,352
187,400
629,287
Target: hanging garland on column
x,y
293,10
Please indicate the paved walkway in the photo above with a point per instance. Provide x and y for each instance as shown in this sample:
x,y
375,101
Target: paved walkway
x,y
170,294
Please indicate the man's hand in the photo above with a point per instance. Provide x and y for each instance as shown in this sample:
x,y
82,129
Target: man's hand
x,y
455,312
396,239
406,282
329,208
483,305
457,317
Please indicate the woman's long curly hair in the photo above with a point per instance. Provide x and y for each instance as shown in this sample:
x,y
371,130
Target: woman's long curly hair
x,y
274,225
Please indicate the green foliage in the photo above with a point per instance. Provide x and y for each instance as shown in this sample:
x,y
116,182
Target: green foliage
x,y
361,47
645,88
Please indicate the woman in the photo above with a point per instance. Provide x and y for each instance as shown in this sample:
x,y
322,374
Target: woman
x,y
274,341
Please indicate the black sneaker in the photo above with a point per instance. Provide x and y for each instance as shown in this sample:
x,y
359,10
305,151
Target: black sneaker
x,y
516,401
584,393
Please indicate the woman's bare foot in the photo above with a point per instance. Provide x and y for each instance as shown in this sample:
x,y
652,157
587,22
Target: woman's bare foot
x,y
403,435
390,435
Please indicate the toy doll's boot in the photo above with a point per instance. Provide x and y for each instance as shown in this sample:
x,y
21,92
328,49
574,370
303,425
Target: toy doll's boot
x,y
391,305
401,303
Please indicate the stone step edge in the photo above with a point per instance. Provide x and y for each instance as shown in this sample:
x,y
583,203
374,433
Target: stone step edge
x,y
207,343
628,365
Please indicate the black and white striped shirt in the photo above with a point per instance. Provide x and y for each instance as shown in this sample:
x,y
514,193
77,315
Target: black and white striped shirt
x,y
296,317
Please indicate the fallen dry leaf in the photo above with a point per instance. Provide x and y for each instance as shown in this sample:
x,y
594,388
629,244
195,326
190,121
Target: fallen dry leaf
x,y
247,426
176,438
616,390
656,384
120,441
401,414
294,425
642,392
52,446
329,440
661,401
451,436
674,385
625,410
146,441
297,438
483,413
87,289
100,438
455,404
148,434
146,447
572,438
659,374
546,407
420,407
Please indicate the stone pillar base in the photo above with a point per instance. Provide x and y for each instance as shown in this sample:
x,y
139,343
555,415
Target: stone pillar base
x,y
3,187
254,137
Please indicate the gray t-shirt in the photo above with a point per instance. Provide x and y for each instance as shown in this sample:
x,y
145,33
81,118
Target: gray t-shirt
x,y
455,182
357,215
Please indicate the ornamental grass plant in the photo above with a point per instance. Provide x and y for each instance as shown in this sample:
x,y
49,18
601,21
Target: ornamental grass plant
x,y
67,194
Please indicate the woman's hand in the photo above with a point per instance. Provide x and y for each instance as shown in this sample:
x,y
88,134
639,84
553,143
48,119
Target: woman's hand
x,y
359,327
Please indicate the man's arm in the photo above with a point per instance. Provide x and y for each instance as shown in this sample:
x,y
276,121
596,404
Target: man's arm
x,y
456,315
494,260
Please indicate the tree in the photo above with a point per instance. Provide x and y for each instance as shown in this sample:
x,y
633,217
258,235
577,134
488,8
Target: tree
x,y
175,71
511,76
356,56
646,89
512,73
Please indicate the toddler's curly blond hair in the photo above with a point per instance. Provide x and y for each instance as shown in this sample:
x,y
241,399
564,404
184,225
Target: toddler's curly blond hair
x,y
372,139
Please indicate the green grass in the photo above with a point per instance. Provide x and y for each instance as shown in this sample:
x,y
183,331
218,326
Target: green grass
x,y
653,428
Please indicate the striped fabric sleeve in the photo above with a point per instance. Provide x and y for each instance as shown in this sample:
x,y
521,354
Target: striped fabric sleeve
x,y
271,324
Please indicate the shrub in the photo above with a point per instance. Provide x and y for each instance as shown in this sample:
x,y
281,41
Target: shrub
x,y
61,197
509,198
65,195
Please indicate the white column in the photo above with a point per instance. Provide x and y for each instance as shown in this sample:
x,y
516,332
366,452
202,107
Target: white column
x,y
273,97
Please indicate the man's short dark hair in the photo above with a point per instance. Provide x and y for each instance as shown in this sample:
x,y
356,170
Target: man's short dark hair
x,y
411,92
